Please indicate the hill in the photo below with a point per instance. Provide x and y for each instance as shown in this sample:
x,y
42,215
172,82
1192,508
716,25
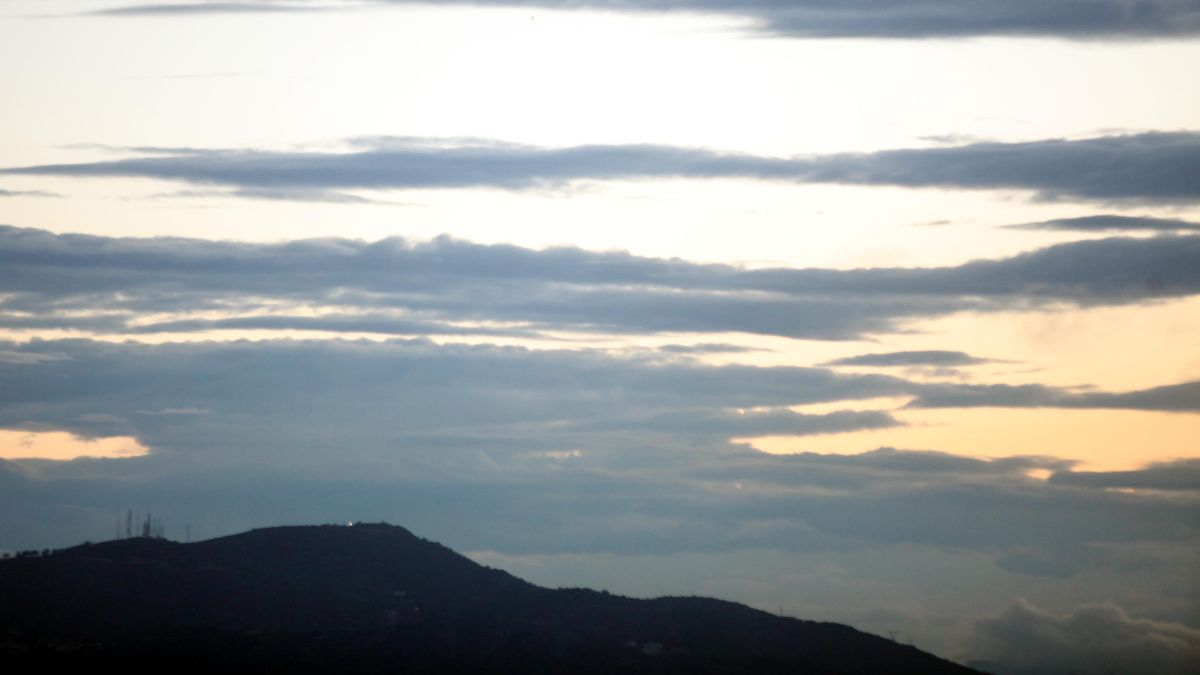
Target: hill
x,y
376,598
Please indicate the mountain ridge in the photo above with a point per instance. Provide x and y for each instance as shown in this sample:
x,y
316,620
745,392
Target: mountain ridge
x,y
316,598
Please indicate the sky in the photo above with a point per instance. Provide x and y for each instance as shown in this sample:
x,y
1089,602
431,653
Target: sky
x,y
876,312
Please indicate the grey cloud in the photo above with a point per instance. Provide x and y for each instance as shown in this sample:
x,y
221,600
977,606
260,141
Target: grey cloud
x,y
341,323
1182,397
952,139
886,465
529,451
534,503
1179,475
988,395
28,358
27,193
1093,639
176,411
299,398
729,423
453,287
1060,562
316,196
96,323
948,18
707,348
201,8
413,389
1112,223
998,518
1144,167
287,195
861,18
1141,167
891,459
911,358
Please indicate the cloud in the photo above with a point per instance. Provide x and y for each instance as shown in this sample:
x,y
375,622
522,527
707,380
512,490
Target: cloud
x,y
731,423
27,193
281,392
1112,223
29,358
202,8
853,18
284,195
176,411
1147,167
451,287
1178,475
297,398
1182,397
911,358
337,323
1093,639
707,348
471,441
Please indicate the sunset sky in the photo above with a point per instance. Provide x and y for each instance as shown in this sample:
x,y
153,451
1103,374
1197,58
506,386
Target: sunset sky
x,y
869,311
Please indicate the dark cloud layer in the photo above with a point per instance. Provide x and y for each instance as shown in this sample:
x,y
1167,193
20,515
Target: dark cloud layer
x,y
1159,167
527,451
855,18
452,287
531,398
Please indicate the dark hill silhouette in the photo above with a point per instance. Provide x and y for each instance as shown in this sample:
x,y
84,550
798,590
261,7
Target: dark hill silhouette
x,y
376,598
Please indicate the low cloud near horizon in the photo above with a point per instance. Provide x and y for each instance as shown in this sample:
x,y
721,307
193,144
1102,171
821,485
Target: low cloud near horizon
x,y
1027,640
